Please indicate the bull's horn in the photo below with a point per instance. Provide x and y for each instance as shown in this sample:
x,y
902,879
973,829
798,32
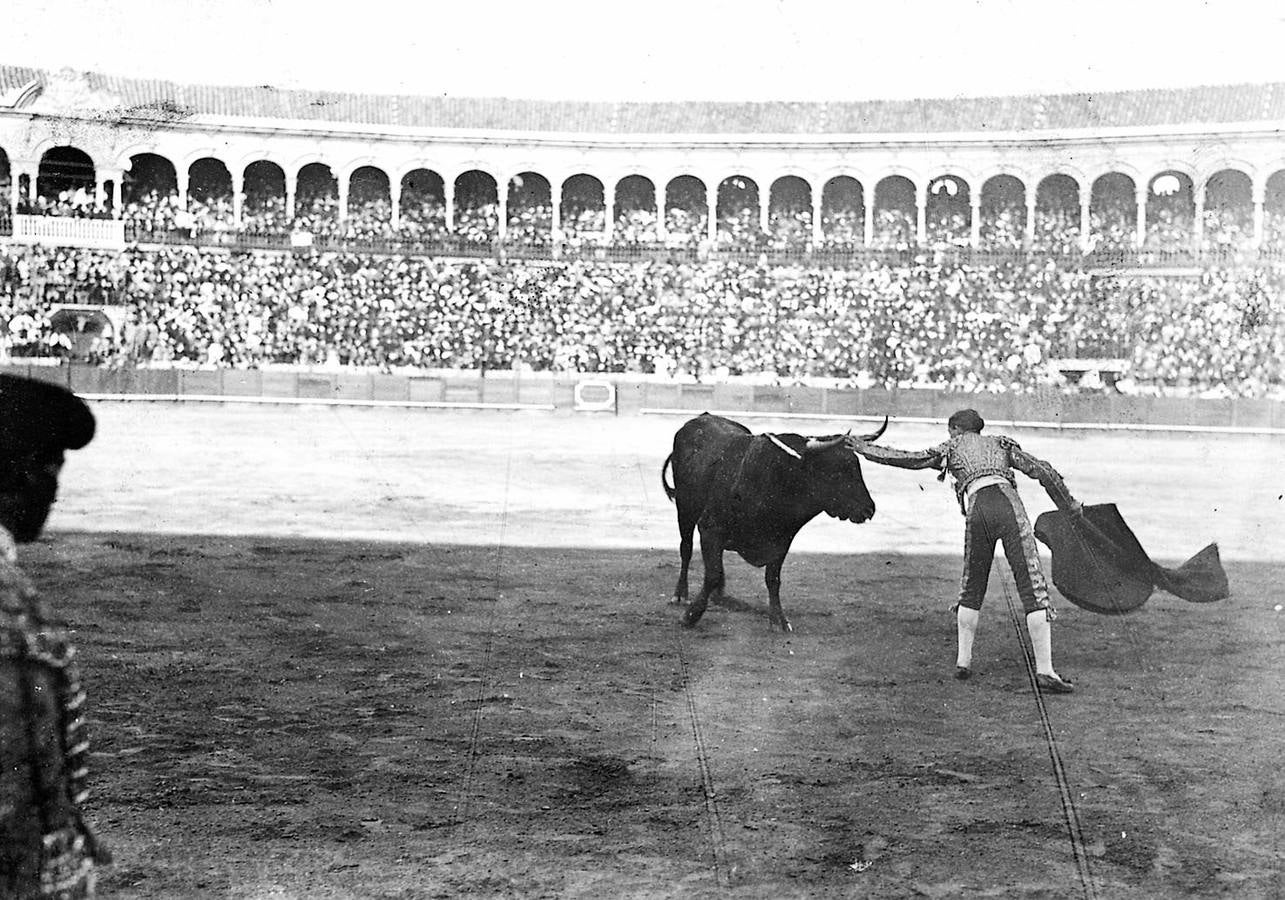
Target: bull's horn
x,y
875,435
817,446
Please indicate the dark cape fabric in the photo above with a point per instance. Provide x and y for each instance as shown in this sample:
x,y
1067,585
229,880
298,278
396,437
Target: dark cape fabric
x,y
1099,565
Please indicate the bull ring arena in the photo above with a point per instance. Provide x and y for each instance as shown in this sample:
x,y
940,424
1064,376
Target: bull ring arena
x,y
369,565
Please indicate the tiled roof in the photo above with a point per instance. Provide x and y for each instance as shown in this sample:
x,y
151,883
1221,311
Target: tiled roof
x,y
1176,106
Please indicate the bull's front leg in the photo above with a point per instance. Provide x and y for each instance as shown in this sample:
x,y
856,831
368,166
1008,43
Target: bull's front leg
x,y
712,555
776,615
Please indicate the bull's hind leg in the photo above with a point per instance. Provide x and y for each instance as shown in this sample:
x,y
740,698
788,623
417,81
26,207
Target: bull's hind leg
x,y
712,555
776,615
686,525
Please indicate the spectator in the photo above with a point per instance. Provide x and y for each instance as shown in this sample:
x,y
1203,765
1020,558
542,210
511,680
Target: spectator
x,y
970,327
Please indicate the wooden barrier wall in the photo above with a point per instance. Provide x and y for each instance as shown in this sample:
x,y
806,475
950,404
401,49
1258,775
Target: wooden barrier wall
x,y
634,395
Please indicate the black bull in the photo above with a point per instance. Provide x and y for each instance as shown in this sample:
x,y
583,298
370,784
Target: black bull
x,y
752,493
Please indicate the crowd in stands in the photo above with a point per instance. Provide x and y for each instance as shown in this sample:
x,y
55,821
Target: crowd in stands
x,y
978,327
79,203
422,218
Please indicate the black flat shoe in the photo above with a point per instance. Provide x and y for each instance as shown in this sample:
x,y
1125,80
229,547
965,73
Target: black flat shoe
x,y
963,673
1054,684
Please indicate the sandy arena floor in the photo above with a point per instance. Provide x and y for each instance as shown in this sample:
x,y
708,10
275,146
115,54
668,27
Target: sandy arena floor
x,y
389,653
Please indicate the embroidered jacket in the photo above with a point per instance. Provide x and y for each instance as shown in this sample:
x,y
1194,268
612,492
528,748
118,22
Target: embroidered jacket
x,y
970,456
46,850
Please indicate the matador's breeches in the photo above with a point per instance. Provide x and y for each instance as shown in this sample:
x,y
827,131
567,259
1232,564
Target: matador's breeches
x,y
996,515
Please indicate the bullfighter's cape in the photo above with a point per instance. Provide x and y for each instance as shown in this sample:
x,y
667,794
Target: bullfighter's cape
x,y
1099,565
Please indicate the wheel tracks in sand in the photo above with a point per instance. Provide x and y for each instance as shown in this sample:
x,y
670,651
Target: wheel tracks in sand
x,y
713,817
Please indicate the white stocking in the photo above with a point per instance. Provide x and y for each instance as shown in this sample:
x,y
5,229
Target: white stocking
x,y
1037,623
966,621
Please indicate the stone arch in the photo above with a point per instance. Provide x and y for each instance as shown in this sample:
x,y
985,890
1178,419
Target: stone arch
x,y
474,188
1002,211
425,180
1113,209
1057,213
1171,210
124,158
264,188
264,173
149,175
209,189
344,173
206,175
316,176
948,210
65,180
42,148
634,215
843,208
1274,187
1058,190
1177,166
369,192
422,201
477,206
1274,208
635,191
895,211
583,204
686,209
1115,167
308,160
1228,186
1228,221
529,208
261,156
789,220
183,162
316,197
737,211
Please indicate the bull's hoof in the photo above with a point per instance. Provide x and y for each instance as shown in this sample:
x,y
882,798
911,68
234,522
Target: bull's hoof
x,y
677,601
691,617
783,624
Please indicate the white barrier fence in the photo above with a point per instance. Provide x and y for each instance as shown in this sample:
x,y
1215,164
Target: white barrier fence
x,y
66,231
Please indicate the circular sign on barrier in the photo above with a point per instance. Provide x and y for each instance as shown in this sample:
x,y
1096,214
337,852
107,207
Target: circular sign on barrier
x,y
595,396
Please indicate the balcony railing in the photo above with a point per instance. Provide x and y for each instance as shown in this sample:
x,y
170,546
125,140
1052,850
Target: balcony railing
x,y
68,231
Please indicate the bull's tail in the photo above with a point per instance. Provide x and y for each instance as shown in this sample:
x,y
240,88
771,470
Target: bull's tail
x,y
664,482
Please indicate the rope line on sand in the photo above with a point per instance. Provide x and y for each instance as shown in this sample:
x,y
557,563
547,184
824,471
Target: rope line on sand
x,y
709,795
1070,814
713,818
464,799
463,806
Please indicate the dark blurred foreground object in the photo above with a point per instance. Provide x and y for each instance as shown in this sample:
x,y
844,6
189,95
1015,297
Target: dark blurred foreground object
x,y
1099,565
38,417
47,849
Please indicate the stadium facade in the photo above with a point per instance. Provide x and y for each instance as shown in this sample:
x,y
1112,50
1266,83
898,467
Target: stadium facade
x,y
1214,147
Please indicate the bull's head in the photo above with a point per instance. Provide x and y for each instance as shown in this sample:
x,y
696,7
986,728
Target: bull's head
x,y
835,476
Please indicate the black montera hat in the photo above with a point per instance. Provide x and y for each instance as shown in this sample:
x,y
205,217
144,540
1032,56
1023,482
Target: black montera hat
x,y
968,420
38,416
